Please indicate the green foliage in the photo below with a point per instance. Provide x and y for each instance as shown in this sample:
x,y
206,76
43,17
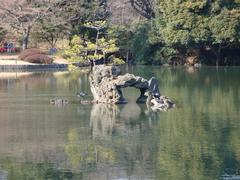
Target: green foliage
x,y
98,25
140,45
225,27
77,52
50,31
179,29
107,46
118,61
83,50
165,54
183,25
39,171
134,38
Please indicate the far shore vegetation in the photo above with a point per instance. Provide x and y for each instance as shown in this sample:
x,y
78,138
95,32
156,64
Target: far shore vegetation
x,y
152,32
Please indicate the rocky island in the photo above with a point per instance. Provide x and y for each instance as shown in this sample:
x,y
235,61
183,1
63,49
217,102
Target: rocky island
x,y
106,84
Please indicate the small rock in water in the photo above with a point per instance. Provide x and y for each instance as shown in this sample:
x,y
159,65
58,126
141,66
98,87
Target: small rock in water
x,y
81,94
87,102
59,101
162,104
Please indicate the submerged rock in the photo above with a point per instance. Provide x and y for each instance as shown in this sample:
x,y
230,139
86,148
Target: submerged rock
x,y
106,83
162,103
59,101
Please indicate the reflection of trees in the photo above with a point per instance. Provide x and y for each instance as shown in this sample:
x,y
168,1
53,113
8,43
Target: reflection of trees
x,y
85,152
188,148
118,136
128,129
39,81
39,171
198,140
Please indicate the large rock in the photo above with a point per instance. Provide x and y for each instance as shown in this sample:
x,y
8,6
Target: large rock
x,y
106,84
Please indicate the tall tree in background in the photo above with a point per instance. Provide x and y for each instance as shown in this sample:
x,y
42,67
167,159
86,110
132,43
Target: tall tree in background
x,y
73,14
50,31
122,12
79,11
51,16
198,24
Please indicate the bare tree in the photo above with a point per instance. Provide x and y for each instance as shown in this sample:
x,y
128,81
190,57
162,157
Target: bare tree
x,y
77,11
20,16
125,11
122,12
144,7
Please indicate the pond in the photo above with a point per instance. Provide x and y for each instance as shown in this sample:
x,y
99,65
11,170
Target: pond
x,y
199,139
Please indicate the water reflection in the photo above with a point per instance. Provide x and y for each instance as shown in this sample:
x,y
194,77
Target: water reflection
x,y
107,120
197,140
121,143
103,120
3,175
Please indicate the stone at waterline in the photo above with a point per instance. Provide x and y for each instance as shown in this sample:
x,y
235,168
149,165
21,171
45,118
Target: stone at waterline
x,y
59,101
162,103
153,87
81,94
106,83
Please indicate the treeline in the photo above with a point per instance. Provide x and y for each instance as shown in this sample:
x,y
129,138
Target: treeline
x,y
139,31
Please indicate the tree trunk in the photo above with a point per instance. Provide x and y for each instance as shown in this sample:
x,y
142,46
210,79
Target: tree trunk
x,y
26,34
95,53
218,56
217,53
104,58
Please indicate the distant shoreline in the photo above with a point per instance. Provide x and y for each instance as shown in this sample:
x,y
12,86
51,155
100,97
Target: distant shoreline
x,y
11,63
35,67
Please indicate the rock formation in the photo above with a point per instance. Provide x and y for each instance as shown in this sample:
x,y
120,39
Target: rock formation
x,y
58,101
106,84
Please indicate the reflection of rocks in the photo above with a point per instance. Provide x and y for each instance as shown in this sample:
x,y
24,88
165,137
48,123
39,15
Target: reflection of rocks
x,y
107,119
128,130
107,82
103,119
130,111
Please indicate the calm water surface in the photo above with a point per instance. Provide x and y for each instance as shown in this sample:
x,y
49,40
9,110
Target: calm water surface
x,y
200,139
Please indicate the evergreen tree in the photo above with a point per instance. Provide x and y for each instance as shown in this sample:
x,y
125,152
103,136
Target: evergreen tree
x,y
189,24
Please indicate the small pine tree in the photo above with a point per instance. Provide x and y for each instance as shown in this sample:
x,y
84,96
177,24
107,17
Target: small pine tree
x,y
85,50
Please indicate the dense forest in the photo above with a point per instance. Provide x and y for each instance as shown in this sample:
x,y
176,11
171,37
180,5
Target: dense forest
x,y
160,32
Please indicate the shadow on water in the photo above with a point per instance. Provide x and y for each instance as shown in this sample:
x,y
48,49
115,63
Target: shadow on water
x,y
197,140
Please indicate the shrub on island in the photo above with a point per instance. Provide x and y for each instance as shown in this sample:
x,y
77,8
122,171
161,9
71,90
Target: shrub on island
x,y
39,58
35,55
